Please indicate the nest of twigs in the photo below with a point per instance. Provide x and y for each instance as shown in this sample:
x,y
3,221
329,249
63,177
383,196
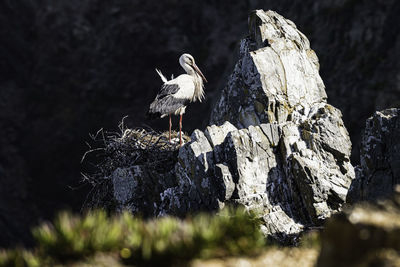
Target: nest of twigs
x,y
129,147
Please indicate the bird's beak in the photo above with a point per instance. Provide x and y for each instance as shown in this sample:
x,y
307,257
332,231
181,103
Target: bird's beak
x,y
199,72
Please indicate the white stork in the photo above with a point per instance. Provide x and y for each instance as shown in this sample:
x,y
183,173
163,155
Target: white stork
x,y
177,93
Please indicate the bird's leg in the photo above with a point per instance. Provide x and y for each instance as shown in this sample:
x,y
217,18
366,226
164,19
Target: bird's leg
x,y
170,126
180,131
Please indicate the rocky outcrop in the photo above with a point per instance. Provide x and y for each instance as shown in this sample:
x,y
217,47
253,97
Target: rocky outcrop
x,y
363,235
289,157
379,171
275,145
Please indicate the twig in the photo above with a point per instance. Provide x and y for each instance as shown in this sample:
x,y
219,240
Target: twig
x,y
90,151
121,125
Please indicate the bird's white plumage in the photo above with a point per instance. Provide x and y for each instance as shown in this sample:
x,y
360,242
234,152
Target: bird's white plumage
x,y
176,93
186,87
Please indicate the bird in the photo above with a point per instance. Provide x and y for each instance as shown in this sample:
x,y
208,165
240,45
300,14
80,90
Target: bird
x,y
178,92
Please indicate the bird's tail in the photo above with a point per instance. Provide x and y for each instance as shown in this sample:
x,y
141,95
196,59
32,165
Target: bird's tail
x,y
161,76
152,116
152,113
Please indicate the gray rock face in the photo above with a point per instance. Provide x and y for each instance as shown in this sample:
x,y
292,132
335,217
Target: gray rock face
x,y
379,171
274,146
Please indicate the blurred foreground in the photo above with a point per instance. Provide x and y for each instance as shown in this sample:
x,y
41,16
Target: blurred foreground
x,y
363,235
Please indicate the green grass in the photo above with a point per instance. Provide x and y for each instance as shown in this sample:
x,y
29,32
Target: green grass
x,y
167,240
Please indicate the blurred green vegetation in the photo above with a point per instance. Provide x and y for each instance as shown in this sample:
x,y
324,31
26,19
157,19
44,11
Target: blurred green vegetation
x,y
135,241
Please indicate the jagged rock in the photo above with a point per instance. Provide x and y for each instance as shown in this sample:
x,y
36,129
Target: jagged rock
x,y
379,171
277,71
275,145
276,83
363,235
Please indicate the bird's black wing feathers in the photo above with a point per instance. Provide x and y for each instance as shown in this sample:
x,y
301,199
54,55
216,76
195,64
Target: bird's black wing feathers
x,y
167,89
166,105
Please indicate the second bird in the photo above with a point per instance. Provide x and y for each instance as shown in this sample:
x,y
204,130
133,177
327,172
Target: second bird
x,y
177,93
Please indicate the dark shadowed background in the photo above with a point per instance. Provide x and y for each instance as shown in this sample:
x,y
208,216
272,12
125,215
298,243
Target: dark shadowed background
x,y
69,68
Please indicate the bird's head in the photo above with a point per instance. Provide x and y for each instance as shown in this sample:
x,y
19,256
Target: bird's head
x,y
187,62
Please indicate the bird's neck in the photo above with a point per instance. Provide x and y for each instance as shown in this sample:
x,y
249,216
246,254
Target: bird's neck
x,y
189,70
